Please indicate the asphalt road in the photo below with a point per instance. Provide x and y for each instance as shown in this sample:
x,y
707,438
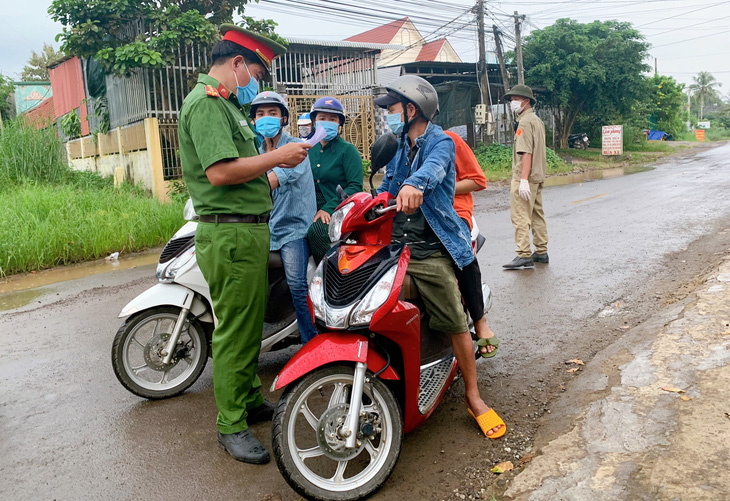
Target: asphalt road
x,y
618,248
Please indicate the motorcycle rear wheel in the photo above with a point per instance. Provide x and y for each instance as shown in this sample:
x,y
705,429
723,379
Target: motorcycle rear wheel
x,y
136,358
308,451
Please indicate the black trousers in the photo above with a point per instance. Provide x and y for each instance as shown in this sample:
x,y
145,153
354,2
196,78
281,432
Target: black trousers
x,y
470,284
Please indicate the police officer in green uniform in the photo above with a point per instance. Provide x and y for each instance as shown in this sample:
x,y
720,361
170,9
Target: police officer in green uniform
x,y
227,181
529,166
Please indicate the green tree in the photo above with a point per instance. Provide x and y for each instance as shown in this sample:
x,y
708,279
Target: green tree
x,y
6,89
37,67
667,104
588,69
123,35
704,84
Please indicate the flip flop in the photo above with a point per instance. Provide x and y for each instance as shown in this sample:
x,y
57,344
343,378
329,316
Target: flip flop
x,y
489,420
488,341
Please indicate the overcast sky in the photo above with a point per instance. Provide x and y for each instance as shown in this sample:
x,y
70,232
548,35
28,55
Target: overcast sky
x,y
686,36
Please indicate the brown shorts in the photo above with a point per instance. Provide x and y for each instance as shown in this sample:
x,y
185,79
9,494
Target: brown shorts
x,y
434,277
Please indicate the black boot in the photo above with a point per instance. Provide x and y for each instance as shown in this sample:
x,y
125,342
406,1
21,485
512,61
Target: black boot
x,y
244,447
540,258
519,263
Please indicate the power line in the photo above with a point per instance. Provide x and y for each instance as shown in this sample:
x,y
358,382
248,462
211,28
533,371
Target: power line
x,y
690,39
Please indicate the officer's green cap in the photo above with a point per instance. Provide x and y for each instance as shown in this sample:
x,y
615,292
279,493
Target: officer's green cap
x,y
521,91
265,48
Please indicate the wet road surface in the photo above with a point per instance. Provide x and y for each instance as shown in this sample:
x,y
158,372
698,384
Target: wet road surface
x,y
68,430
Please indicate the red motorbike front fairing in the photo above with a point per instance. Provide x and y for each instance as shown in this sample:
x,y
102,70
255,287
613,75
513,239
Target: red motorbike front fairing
x,y
328,348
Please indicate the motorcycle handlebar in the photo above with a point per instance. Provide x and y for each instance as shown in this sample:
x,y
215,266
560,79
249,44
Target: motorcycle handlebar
x,y
382,210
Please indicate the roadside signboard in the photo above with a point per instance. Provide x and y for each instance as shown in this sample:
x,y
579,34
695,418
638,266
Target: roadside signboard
x,y
700,134
613,140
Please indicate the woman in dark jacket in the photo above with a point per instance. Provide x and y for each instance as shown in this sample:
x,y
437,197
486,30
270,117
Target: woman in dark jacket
x,y
334,162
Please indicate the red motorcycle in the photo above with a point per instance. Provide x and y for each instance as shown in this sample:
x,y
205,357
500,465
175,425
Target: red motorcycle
x,y
375,372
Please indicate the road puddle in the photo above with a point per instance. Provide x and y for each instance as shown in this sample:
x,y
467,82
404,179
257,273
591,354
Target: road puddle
x,y
20,290
593,175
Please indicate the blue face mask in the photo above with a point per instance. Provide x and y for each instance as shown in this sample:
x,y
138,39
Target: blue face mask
x,y
246,94
268,126
395,123
332,129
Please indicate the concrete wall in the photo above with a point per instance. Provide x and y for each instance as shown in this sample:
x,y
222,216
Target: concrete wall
x,y
129,153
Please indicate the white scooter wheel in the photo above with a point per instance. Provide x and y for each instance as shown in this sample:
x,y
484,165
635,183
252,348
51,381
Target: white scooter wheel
x,y
137,359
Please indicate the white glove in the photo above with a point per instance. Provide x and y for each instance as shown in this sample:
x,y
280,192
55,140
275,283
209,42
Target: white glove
x,y
525,189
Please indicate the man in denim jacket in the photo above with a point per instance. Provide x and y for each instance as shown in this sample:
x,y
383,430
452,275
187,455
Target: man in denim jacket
x,y
422,177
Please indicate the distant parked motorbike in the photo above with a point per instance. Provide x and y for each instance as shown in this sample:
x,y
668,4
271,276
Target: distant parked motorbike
x,y
579,141
162,347
377,371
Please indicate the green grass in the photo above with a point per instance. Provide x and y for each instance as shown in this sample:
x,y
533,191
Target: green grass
x,y
43,226
717,134
29,154
496,162
51,215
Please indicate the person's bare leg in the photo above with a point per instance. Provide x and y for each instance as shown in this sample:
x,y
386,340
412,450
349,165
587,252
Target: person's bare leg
x,y
483,331
464,352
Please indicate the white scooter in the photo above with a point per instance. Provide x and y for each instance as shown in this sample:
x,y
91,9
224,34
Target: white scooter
x,y
162,347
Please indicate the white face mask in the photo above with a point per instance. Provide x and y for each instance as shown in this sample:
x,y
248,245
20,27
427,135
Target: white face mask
x,y
515,106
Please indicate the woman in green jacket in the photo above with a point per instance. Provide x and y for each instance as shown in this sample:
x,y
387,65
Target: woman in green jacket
x,y
334,162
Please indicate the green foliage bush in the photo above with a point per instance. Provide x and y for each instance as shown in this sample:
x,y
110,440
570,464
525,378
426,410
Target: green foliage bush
x,y
71,125
498,157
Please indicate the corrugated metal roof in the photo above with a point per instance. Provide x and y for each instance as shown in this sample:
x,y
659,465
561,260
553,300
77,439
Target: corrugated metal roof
x,y
381,34
342,43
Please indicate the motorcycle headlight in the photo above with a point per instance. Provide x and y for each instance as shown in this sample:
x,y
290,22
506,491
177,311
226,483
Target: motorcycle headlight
x,y
166,271
316,292
338,216
189,211
362,314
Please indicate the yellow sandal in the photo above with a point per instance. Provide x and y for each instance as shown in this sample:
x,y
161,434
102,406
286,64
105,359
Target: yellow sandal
x,y
489,420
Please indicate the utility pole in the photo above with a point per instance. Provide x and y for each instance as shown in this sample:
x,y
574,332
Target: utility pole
x,y
505,81
518,50
483,78
500,56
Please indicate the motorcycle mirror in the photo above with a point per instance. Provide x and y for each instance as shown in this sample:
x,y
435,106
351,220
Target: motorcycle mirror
x,y
341,193
381,152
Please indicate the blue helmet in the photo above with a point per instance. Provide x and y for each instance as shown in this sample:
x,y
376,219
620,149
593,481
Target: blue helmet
x,y
328,105
304,119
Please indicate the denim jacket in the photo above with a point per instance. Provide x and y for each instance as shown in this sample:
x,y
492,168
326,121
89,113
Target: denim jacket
x,y
434,174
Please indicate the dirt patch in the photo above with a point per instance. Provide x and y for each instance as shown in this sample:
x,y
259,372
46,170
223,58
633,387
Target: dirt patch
x,y
529,400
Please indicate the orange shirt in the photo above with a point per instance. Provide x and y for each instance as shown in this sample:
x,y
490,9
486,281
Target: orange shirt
x,y
467,167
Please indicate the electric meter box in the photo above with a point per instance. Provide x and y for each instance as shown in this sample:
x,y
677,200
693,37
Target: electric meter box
x,y
480,114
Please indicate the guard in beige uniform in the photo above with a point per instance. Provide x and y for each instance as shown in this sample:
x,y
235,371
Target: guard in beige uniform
x,y
529,165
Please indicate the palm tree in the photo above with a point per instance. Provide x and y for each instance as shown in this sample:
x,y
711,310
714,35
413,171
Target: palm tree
x,y
705,83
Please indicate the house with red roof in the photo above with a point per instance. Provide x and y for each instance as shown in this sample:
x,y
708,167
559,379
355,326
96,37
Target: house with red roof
x,y
416,48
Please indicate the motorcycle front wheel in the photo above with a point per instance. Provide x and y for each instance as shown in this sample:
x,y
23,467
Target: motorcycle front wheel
x,y
310,453
137,359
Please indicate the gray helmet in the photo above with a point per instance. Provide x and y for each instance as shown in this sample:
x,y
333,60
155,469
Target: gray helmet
x,y
521,91
269,97
414,89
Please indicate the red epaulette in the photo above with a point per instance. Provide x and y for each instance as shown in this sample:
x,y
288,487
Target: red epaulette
x,y
211,91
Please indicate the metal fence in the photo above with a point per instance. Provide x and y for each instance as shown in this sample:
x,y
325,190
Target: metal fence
x,y
170,146
308,69
155,93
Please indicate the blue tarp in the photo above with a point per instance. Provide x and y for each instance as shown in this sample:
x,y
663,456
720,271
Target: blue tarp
x,y
656,135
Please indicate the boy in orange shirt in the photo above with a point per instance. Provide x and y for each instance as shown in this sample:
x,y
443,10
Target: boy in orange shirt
x,y
469,177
